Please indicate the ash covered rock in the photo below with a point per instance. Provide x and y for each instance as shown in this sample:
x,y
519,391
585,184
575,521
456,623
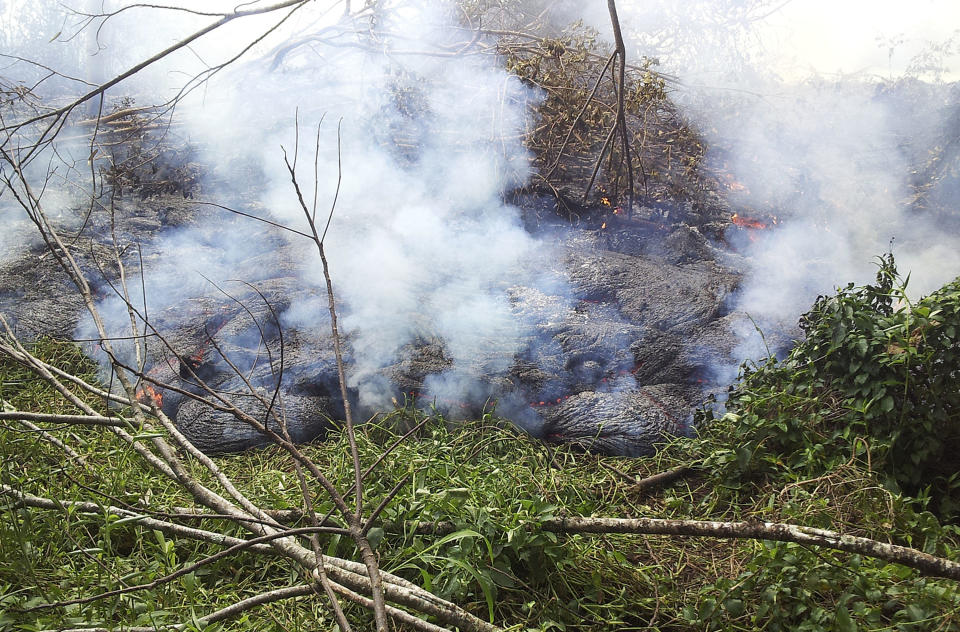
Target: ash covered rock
x,y
36,298
36,295
649,290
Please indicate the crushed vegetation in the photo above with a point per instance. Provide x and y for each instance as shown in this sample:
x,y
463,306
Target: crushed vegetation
x,y
805,441
577,153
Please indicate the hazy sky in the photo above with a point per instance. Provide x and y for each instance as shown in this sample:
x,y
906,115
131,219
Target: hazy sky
x,y
853,36
795,38
799,38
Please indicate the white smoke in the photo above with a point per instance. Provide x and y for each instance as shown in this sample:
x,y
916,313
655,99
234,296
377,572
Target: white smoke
x,y
416,145
831,155
421,244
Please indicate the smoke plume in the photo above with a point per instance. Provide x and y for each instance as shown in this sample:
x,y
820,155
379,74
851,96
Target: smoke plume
x,y
416,147
836,159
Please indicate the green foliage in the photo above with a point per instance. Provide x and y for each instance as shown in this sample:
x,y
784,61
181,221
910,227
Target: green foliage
x,y
864,408
877,379
466,522
466,525
787,588
48,556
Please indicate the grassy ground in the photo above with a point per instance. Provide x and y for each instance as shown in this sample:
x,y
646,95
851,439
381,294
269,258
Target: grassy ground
x,y
465,526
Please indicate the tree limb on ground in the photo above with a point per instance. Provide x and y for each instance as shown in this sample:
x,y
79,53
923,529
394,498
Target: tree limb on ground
x,y
923,562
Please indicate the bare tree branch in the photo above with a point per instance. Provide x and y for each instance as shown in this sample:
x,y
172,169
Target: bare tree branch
x,y
356,520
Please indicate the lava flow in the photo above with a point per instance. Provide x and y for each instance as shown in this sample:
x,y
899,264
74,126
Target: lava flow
x,y
751,222
146,394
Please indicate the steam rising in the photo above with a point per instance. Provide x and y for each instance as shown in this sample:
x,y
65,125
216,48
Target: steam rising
x,y
833,158
417,150
417,145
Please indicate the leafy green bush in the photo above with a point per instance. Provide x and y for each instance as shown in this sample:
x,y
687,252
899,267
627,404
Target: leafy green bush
x,y
876,378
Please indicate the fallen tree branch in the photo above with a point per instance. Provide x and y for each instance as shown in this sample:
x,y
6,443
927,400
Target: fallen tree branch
x,y
400,615
661,479
170,528
67,420
779,532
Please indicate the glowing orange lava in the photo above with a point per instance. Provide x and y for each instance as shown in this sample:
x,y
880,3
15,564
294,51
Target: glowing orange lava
x,y
748,222
149,395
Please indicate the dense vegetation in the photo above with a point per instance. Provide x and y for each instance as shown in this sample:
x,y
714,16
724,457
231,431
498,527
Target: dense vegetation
x,y
854,432
875,380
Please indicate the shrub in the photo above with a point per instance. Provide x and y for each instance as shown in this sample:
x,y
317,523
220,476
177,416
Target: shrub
x,y
877,377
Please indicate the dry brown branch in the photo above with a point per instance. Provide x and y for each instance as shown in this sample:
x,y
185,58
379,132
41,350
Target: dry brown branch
x,y
628,478
113,117
599,161
578,117
164,526
621,124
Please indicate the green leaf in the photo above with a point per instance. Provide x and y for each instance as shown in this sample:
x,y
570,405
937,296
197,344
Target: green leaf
x,y
744,456
843,621
734,607
374,536
916,613
862,346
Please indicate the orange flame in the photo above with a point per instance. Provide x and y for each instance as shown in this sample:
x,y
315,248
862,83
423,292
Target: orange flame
x,y
149,395
729,182
748,222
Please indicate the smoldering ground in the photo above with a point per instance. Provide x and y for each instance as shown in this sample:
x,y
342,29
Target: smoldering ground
x,y
441,288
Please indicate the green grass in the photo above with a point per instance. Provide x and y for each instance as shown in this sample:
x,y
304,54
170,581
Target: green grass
x,y
486,487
